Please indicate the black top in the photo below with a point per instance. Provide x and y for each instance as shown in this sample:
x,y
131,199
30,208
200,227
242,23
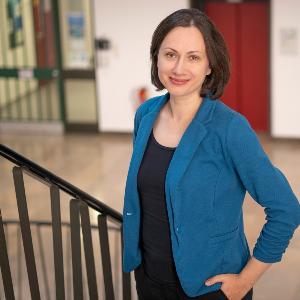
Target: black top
x,y
155,231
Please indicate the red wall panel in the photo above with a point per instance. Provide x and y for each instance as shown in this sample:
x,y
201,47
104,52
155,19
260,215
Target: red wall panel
x,y
254,43
223,16
245,27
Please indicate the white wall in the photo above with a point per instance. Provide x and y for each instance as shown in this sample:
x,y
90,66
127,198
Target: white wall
x,y
285,68
125,67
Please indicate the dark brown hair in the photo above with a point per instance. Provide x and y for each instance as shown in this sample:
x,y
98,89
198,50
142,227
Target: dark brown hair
x,y
216,50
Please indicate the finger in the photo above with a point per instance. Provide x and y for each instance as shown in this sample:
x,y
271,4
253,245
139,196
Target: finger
x,y
215,279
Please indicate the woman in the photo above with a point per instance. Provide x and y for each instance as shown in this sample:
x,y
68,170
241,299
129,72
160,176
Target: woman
x,y
193,160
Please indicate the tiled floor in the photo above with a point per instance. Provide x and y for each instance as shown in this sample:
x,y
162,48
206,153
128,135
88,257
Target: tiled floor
x,y
98,163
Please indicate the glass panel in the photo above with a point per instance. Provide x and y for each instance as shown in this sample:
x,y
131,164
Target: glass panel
x,y
39,102
17,36
80,101
27,40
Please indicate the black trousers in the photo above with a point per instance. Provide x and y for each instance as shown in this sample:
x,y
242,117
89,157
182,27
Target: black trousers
x,y
150,289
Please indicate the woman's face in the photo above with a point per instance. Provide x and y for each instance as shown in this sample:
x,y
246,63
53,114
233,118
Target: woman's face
x,y
182,62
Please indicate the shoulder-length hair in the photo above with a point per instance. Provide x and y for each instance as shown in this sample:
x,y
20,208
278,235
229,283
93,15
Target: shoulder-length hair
x,y
216,50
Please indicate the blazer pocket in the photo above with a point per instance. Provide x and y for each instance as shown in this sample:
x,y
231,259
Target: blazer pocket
x,y
215,239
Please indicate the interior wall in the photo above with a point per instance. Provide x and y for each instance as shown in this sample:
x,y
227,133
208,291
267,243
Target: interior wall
x,y
285,66
124,68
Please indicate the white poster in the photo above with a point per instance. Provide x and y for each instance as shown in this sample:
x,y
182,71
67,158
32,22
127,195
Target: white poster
x,y
77,51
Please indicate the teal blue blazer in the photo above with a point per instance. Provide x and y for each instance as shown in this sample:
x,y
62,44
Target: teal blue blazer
x,y
217,160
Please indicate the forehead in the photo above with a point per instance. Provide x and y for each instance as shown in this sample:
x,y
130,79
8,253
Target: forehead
x,y
184,38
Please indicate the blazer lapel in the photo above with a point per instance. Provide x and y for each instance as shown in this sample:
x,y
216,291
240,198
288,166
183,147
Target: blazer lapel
x,y
190,141
141,140
183,154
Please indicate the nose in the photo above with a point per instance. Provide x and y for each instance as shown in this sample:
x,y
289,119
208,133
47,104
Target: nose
x,y
179,66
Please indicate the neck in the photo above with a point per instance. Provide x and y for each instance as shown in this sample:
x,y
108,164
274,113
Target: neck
x,y
183,108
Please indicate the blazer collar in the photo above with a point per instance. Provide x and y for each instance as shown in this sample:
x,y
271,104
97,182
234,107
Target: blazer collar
x,y
189,142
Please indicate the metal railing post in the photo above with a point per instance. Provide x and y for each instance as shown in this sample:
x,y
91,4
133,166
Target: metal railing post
x,y
106,260
4,265
57,242
26,233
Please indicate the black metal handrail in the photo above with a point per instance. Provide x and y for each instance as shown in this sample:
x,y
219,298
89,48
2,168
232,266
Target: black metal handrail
x,y
40,228
79,222
48,177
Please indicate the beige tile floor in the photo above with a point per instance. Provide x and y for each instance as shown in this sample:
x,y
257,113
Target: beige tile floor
x,y
98,163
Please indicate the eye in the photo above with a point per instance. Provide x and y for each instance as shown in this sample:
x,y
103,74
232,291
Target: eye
x,y
170,54
195,57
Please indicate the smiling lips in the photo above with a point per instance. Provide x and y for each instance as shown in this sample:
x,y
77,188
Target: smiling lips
x,y
178,81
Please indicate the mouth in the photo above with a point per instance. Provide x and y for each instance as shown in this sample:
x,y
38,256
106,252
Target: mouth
x,y
178,81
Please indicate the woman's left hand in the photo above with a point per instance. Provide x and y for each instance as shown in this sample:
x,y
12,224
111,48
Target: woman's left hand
x,y
234,287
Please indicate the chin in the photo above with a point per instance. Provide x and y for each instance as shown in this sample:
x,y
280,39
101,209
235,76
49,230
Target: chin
x,y
178,93
182,93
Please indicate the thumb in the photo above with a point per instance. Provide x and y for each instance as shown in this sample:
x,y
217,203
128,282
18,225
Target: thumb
x,y
215,279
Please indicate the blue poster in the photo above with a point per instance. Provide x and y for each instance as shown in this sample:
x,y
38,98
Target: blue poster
x,y
15,23
76,25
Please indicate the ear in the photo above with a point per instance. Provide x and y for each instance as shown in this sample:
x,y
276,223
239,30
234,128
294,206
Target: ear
x,y
208,71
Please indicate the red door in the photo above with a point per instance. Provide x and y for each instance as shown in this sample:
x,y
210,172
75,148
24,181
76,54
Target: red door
x,y
245,27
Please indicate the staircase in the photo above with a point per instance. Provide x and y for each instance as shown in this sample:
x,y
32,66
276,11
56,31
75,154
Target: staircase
x,y
56,258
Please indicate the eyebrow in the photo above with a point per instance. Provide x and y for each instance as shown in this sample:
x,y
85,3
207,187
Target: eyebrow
x,y
193,51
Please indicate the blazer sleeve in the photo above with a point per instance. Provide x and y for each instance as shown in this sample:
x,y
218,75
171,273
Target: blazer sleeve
x,y
268,186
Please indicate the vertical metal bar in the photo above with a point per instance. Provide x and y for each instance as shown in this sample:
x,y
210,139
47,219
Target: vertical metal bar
x,y
47,82
25,60
18,98
105,257
43,262
7,95
39,100
68,265
4,265
1,287
76,249
59,61
48,99
46,7
7,236
117,268
88,251
125,276
26,233
19,264
38,91
57,242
